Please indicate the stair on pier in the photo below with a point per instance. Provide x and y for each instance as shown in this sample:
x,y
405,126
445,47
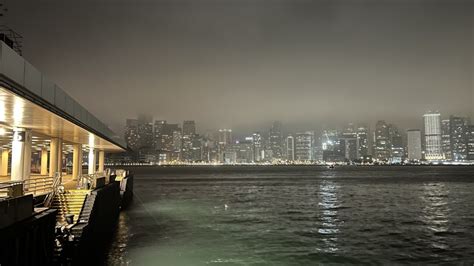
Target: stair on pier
x,y
69,202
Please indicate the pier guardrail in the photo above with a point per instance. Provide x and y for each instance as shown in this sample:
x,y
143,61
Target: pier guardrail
x,y
38,185
57,186
11,189
35,185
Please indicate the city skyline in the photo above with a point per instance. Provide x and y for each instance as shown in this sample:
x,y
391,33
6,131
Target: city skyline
x,y
312,126
239,64
439,139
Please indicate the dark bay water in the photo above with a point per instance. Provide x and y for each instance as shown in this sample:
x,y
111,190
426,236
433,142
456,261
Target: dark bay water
x,y
298,216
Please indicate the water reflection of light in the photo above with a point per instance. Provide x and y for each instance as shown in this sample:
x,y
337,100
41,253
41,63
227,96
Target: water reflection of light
x,y
120,243
329,225
435,212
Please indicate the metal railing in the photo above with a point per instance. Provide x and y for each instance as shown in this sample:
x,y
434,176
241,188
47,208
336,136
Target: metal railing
x,y
38,185
86,181
57,188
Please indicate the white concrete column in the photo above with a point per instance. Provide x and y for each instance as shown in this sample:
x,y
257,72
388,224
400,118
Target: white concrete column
x,y
44,161
60,157
53,156
76,161
21,154
92,161
101,161
4,167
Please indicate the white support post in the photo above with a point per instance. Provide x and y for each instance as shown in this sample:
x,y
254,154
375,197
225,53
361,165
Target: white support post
x,y
77,161
21,154
60,157
44,161
92,161
101,161
53,156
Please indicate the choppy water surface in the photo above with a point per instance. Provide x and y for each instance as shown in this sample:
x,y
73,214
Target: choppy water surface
x,y
298,216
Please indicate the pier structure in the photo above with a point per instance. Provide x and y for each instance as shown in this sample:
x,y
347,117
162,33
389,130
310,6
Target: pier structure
x,y
52,173
43,131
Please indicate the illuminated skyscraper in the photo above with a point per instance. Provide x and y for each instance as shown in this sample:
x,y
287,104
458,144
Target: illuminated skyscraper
x,y
131,134
470,142
397,152
362,141
224,137
139,133
349,142
177,145
382,145
257,146
275,139
304,146
145,132
446,139
458,126
244,150
189,128
169,142
414,144
189,133
158,131
433,150
290,148
333,146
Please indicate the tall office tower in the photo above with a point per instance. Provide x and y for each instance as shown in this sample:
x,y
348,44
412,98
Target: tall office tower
x,y
145,130
257,146
433,151
397,151
132,138
470,142
167,141
189,132
382,145
362,141
349,148
318,149
446,139
189,128
414,144
177,145
187,147
304,143
333,146
243,150
208,149
196,154
290,148
458,126
158,131
224,138
349,142
275,140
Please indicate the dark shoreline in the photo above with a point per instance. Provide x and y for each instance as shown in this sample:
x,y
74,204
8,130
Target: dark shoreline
x,y
288,165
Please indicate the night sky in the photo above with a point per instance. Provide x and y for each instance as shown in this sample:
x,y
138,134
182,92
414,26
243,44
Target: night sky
x,y
242,63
